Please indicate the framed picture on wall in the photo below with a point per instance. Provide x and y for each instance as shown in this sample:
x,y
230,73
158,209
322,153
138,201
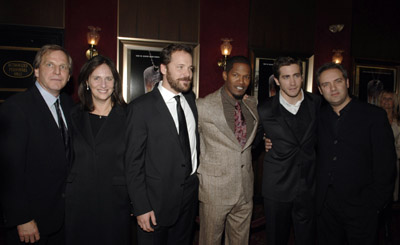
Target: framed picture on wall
x,y
16,74
139,65
370,80
18,48
264,83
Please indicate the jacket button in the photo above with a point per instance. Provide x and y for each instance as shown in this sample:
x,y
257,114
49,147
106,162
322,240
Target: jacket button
x,y
242,166
334,158
335,142
183,165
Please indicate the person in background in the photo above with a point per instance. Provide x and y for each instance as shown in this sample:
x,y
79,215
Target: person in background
x,y
151,77
374,88
97,201
389,102
35,153
272,86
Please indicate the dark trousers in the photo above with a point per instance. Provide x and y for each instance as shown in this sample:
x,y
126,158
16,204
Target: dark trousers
x,y
345,222
57,238
181,233
280,216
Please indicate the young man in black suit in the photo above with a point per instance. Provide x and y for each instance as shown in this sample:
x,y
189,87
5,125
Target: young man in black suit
x,y
161,153
289,120
34,152
356,163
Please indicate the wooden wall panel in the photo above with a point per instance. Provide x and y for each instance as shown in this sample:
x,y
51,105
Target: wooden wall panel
x,y
376,32
326,41
176,20
220,19
282,26
45,13
147,19
103,13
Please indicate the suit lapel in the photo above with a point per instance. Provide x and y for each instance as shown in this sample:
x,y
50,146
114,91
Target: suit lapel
x,y
276,112
42,113
254,122
220,121
81,123
66,104
192,104
311,108
163,110
66,107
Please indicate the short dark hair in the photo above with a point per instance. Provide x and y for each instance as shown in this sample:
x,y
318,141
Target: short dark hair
x,y
170,49
87,69
286,61
50,48
236,59
329,66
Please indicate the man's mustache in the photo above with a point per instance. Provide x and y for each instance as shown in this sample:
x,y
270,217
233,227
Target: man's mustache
x,y
184,79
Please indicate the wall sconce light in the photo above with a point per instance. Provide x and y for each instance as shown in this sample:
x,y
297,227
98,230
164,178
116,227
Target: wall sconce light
x,y
93,38
337,56
226,49
336,28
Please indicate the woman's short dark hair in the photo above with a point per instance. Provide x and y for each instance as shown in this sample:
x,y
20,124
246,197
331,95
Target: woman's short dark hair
x,y
87,69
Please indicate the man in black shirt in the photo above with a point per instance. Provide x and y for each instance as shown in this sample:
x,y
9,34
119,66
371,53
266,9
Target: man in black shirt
x,y
355,163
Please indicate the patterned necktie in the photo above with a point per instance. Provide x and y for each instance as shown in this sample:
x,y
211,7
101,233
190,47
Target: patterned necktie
x,y
240,125
183,135
63,128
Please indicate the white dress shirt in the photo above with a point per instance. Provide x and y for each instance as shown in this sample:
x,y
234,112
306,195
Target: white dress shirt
x,y
291,108
50,100
170,101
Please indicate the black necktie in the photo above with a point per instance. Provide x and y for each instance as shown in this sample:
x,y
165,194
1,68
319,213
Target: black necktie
x,y
63,128
184,136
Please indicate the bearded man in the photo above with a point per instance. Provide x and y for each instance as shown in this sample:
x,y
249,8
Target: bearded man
x,y
161,155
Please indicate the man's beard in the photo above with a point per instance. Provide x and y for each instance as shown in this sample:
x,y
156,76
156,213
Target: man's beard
x,y
175,85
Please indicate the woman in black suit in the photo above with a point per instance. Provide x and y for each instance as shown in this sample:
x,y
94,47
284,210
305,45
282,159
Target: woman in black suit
x,y
97,202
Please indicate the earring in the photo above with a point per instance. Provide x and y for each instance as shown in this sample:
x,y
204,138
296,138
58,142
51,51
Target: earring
x,y
87,87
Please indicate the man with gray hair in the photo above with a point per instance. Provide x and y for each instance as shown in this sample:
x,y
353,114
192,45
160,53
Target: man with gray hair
x,y
35,152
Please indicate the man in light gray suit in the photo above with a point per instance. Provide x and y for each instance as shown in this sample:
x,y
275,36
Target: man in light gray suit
x,y
227,126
